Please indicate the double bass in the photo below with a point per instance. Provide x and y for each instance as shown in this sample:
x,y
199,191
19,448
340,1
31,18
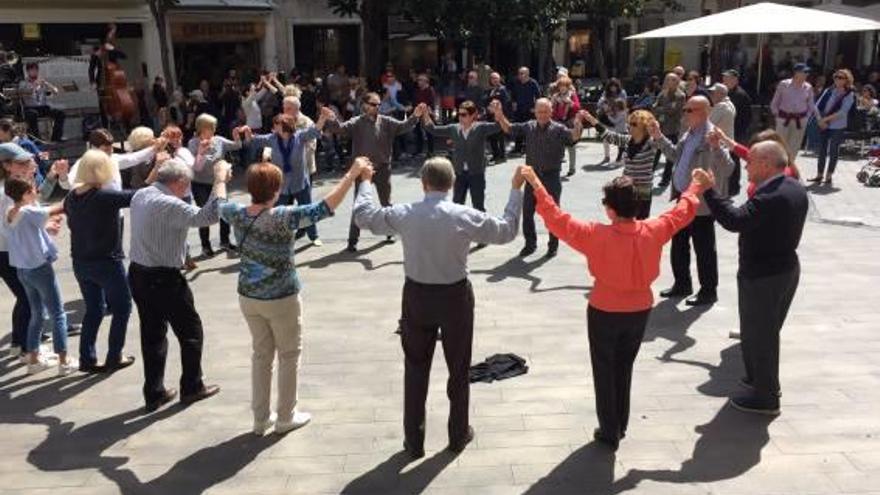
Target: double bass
x,y
118,100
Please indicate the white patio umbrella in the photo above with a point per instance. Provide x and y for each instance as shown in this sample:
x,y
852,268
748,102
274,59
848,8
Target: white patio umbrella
x,y
763,18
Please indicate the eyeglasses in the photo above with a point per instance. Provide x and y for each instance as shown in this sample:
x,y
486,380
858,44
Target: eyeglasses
x,y
688,110
464,113
839,76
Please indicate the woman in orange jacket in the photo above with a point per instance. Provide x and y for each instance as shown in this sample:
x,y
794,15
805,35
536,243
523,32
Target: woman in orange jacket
x,y
624,259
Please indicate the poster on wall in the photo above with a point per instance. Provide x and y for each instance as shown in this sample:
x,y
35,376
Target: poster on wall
x,y
71,76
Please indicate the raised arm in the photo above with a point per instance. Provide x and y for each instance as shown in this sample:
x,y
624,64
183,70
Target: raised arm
x,y
368,215
662,142
501,119
732,218
679,216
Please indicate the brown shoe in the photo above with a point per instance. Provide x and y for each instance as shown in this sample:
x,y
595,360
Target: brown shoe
x,y
165,398
204,393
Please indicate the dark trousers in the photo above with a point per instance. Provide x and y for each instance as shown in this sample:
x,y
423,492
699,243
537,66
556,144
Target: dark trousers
x,y
21,311
31,114
553,184
615,339
100,281
303,197
163,298
422,137
427,308
643,208
382,180
763,306
702,232
201,193
829,148
475,183
667,168
497,144
733,185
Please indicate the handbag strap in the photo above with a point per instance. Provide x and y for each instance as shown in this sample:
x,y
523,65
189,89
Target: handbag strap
x,y
247,231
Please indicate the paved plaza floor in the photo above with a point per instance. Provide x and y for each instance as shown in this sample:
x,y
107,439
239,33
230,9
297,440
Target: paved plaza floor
x,y
86,434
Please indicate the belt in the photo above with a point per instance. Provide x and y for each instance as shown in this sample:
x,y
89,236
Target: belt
x,y
461,282
153,269
792,116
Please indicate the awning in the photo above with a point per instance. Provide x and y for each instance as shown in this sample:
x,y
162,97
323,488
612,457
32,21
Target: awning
x,y
224,4
763,18
871,12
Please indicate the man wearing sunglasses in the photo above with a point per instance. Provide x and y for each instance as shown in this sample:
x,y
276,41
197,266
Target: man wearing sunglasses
x,y
697,148
372,135
468,138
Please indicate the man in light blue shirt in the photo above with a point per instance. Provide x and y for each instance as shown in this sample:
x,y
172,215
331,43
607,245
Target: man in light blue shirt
x,y
437,235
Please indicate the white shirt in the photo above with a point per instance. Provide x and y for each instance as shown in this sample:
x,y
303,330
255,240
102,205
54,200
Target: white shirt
x,y
723,116
252,112
5,204
122,162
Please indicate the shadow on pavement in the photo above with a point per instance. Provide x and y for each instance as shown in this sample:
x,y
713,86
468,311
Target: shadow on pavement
x,y
346,257
515,267
670,323
388,477
588,470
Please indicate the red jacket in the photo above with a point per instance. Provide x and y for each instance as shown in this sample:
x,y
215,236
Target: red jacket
x,y
623,258
561,114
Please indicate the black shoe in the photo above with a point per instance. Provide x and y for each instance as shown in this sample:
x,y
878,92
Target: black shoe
x,y
165,398
207,252
118,364
703,298
570,173
74,329
351,248
551,252
459,447
663,183
390,239
206,392
527,250
228,246
677,291
609,441
767,407
415,453
91,369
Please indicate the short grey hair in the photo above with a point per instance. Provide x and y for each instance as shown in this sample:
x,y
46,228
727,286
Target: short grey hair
x,y
719,90
172,171
438,174
771,151
292,100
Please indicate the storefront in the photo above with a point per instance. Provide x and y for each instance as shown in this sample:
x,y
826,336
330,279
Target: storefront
x,y
210,37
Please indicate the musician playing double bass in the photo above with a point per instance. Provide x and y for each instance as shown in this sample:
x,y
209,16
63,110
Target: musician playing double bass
x,y
115,98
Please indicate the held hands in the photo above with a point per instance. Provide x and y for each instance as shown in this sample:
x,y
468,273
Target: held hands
x,y
495,108
362,168
327,114
654,130
53,225
160,143
528,174
222,172
60,168
713,138
421,110
586,116
162,157
704,179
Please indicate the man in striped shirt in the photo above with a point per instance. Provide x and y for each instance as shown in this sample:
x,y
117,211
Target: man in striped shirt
x,y
160,221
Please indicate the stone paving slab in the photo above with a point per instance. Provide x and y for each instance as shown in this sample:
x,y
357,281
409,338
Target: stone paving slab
x,y
85,435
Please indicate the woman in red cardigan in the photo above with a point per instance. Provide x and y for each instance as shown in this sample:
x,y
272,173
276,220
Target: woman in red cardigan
x,y
624,259
743,152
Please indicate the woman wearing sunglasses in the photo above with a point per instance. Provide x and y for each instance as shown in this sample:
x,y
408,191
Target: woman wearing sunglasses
x,y
833,107
638,156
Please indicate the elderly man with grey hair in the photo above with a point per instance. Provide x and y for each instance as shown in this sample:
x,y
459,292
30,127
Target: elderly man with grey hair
x,y
770,225
437,235
160,220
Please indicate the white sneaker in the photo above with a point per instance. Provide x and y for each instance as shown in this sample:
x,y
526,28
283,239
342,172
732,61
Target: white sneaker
x,y
23,358
41,365
14,351
317,243
47,352
300,419
68,367
261,427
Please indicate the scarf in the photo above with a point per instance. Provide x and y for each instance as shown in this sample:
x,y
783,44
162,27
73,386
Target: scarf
x,y
286,147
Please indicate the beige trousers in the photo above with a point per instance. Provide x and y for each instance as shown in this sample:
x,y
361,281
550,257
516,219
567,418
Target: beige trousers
x,y
276,327
790,133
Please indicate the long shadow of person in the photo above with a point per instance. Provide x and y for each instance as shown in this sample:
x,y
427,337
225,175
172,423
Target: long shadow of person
x,y
729,446
670,323
198,472
721,376
346,257
588,470
515,267
389,478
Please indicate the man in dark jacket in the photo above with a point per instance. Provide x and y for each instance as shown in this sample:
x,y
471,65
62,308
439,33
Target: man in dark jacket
x,y
770,225
525,91
497,92
743,103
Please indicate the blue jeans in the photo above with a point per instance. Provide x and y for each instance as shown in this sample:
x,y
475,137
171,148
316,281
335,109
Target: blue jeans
x,y
302,198
41,287
99,281
829,145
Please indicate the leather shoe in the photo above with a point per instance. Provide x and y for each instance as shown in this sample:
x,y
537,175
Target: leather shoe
x,y
165,398
551,252
677,291
527,250
122,362
204,393
414,452
91,368
702,299
459,447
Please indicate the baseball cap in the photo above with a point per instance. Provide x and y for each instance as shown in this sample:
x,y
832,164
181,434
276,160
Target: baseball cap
x,y
731,73
801,68
14,152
